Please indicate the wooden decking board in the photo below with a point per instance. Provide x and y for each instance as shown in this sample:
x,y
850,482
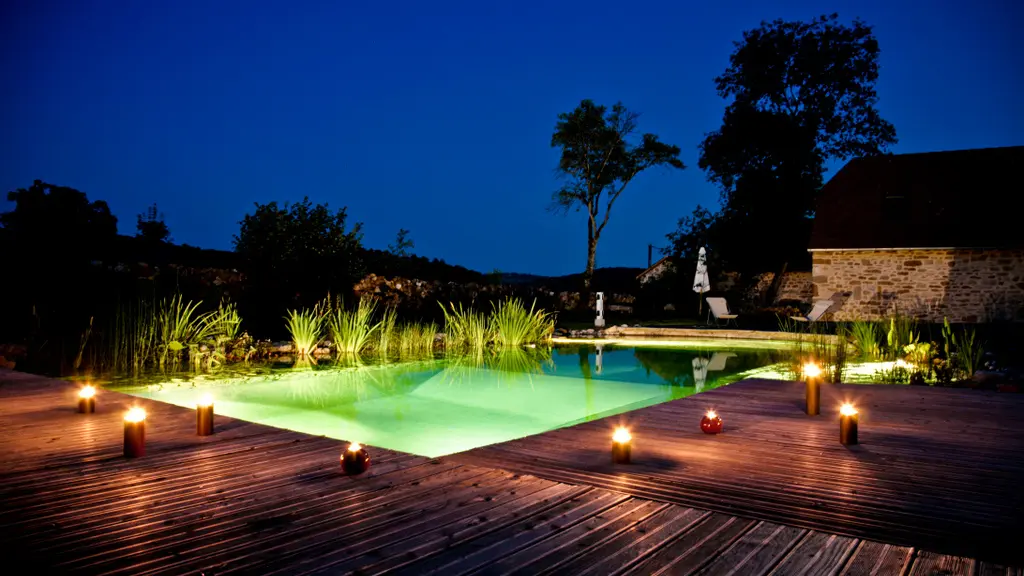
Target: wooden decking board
x,y
420,550
628,546
939,469
420,517
256,499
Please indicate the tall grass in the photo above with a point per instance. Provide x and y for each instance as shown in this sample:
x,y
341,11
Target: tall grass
x,y
351,330
864,335
902,332
513,325
416,338
826,350
386,335
465,328
131,339
307,329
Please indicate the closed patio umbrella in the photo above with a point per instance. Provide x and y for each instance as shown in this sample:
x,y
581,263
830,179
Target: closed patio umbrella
x,y
701,283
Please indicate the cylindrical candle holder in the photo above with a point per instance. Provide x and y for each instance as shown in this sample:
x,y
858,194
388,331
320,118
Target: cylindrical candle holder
x,y
135,433
622,446
355,460
813,393
711,423
204,416
848,420
87,400
812,388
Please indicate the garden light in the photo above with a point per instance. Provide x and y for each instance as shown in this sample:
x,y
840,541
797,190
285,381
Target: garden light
x,y
204,415
711,423
87,400
135,433
622,446
847,424
355,460
812,388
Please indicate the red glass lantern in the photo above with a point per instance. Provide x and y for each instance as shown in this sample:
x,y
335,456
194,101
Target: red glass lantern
x,y
355,460
711,423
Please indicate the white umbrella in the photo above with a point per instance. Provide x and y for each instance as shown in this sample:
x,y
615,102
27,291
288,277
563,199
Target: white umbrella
x,y
701,283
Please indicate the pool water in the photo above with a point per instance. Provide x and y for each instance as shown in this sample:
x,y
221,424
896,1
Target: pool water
x,y
442,406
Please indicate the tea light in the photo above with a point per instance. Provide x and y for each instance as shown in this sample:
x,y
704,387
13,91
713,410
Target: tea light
x,y
622,446
847,424
812,388
135,433
355,460
711,423
204,415
87,400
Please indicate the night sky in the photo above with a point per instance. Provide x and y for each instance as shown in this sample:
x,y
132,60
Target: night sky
x,y
436,116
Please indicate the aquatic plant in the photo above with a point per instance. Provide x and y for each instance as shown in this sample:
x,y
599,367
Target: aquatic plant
x,y
131,338
513,325
307,329
902,331
964,352
414,338
351,330
464,327
180,326
864,335
386,336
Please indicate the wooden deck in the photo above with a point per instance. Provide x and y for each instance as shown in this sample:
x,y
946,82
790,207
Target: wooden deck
x,y
260,500
941,469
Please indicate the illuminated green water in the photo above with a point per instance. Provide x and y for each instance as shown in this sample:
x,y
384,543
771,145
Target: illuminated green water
x,y
443,406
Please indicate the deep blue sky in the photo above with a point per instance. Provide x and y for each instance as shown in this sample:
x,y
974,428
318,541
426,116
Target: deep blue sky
x,y
436,116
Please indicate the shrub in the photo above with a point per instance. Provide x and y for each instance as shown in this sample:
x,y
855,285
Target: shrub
x,y
306,328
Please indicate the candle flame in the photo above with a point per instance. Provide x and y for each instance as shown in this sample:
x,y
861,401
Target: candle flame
x,y
811,370
354,447
847,410
205,400
136,414
621,436
712,415
87,392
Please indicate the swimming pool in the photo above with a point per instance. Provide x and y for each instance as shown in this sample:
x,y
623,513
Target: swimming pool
x,y
442,406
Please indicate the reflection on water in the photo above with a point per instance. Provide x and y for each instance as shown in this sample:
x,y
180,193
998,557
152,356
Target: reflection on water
x,y
437,406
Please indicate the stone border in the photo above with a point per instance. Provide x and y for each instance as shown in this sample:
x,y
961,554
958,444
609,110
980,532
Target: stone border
x,y
707,334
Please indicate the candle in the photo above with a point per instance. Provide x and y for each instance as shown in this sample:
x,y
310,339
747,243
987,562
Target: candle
x,y
135,433
355,460
812,388
87,400
622,446
204,415
848,424
711,423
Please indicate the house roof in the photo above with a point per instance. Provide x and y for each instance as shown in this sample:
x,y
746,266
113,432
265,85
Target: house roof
x,y
652,267
956,199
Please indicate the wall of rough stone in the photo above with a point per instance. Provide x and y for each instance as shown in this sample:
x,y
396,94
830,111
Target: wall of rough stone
x,y
963,285
796,286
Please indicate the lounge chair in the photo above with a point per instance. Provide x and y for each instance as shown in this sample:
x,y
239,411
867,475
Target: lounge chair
x,y
718,360
720,310
820,307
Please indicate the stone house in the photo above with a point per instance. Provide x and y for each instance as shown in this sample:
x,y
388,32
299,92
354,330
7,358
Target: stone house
x,y
931,235
656,270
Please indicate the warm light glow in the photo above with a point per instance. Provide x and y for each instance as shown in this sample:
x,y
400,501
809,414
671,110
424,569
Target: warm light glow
x,y
205,400
711,415
901,363
847,410
87,392
354,447
135,415
621,436
811,370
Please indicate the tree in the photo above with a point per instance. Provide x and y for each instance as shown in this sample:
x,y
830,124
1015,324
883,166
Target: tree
x,y
150,226
296,253
402,243
58,221
801,93
598,162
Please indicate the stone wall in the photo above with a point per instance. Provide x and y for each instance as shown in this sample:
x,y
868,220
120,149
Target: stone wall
x,y
963,285
796,286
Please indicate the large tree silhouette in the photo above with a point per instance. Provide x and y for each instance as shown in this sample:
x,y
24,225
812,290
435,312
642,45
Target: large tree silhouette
x,y
800,94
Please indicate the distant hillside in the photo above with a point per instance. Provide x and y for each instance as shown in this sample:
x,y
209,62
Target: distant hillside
x,y
619,279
